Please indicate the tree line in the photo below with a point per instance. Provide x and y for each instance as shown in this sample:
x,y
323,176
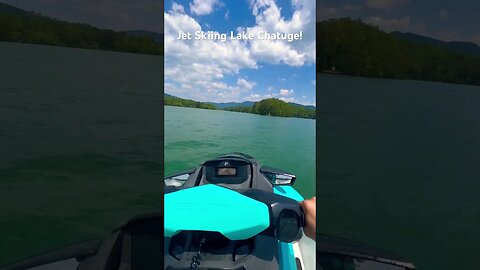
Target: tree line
x,y
271,106
38,29
352,47
276,107
180,102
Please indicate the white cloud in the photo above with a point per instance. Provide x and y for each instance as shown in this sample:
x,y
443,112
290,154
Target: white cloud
x,y
227,15
203,7
404,24
177,8
268,17
196,69
286,92
476,38
325,13
254,97
385,4
244,84
457,34
443,14
289,99
350,7
228,57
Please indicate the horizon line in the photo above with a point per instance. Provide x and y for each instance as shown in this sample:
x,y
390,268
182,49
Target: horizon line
x,y
165,93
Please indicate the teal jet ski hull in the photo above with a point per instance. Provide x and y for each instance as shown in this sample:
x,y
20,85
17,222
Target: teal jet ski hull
x,y
221,198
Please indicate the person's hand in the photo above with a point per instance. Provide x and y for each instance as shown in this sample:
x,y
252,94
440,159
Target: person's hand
x,y
310,208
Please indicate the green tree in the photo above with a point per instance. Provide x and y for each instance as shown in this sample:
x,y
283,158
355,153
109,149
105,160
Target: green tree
x,y
352,47
37,29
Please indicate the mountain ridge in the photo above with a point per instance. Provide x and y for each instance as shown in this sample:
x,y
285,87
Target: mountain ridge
x,y
8,9
18,25
356,48
224,105
458,46
12,10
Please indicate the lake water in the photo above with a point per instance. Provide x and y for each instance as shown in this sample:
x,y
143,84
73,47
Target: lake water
x,y
399,167
195,135
81,151
81,144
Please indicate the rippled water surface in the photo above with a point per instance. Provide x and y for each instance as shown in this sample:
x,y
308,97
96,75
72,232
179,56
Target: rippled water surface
x,y
195,135
80,144
399,167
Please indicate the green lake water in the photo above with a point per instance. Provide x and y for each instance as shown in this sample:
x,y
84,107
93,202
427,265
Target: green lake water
x,y
195,135
81,151
81,148
399,167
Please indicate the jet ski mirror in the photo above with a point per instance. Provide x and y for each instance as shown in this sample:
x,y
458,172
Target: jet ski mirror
x,y
278,177
283,179
179,179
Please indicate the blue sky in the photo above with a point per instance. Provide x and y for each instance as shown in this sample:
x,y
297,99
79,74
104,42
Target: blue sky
x,y
225,71
207,70
442,19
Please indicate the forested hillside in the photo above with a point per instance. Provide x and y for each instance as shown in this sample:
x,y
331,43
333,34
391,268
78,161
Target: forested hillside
x,y
276,107
352,47
271,106
170,100
28,27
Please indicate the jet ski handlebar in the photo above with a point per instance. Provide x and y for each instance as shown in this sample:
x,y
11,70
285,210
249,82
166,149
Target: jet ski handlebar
x,y
287,217
237,214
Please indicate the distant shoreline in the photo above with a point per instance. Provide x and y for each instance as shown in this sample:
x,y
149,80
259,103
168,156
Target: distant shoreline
x,y
355,48
396,79
13,43
269,106
223,110
26,27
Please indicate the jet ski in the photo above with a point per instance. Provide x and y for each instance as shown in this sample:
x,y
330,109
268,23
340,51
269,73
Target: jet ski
x,y
233,213
230,212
